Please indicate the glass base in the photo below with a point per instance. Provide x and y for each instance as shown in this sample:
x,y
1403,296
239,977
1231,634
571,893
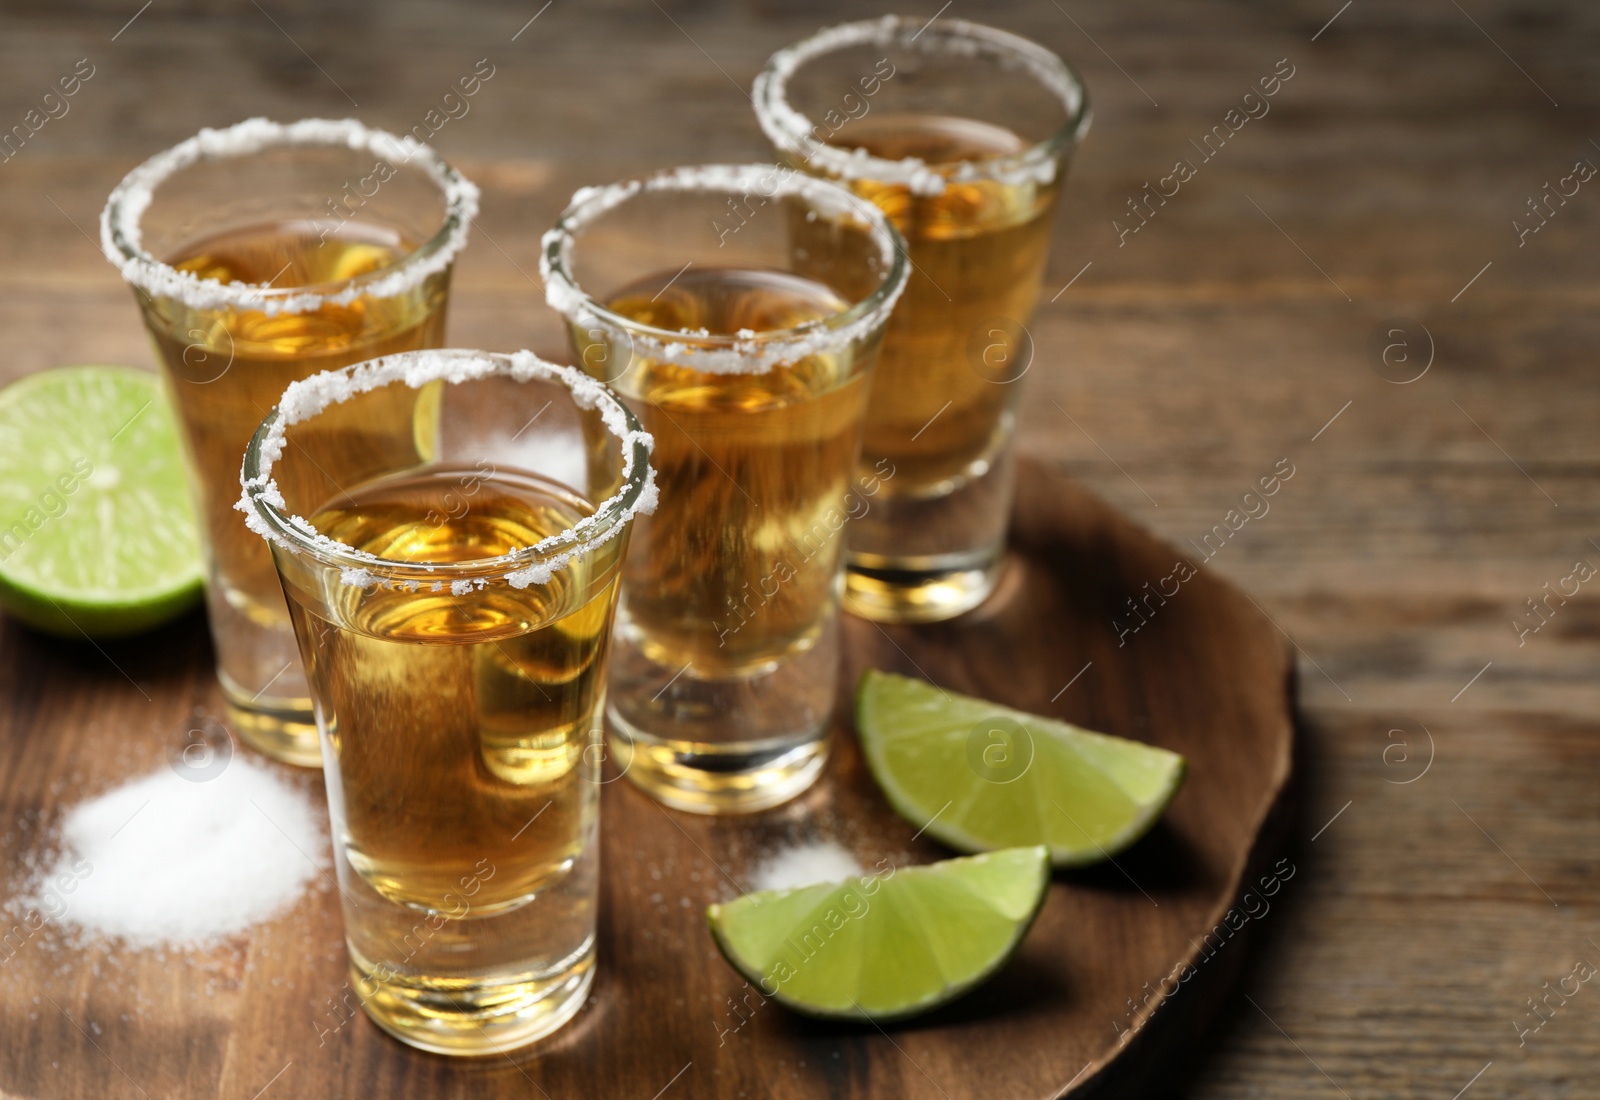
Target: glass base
x,y
924,553
718,744
459,1017
716,779
920,590
284,729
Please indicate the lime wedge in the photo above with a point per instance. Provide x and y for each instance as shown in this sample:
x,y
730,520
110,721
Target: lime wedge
x,y
97,534
978,776
883,947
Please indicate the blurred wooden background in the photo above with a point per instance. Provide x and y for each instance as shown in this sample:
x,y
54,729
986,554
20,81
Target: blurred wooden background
x,y
1446,879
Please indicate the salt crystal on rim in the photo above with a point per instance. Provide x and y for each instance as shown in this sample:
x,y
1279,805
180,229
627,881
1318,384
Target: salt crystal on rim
x,y
266,513
121,237
791,131
747,352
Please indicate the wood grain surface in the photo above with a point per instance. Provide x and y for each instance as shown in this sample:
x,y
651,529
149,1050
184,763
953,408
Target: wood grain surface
x,y
1154,934
1443,880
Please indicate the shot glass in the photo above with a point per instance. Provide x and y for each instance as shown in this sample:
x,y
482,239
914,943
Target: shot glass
x,y
961,134
738,310
454,615
260,255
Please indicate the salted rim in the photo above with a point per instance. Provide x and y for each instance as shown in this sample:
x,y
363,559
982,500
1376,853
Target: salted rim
x,y
121,237
747,352
266,512
791,131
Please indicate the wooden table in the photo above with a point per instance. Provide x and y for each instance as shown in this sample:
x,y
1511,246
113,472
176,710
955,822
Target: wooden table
x,y
1449,825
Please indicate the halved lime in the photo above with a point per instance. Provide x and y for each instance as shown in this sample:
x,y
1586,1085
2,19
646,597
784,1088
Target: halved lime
x,y
886,946
979,776
97,534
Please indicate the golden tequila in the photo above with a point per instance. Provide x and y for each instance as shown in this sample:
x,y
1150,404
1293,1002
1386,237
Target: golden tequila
x,y
738,568
225,369
747,354
942,408
960,136
461,737
978,249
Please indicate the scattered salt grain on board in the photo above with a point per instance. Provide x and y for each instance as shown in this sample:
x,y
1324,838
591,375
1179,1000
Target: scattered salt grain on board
x,y
805,865
163,860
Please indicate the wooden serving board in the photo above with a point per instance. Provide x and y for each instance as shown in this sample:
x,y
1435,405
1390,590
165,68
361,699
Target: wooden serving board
x,y
1114,982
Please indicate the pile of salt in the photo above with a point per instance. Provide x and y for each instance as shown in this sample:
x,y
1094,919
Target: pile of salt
x,y
164,860
805,865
